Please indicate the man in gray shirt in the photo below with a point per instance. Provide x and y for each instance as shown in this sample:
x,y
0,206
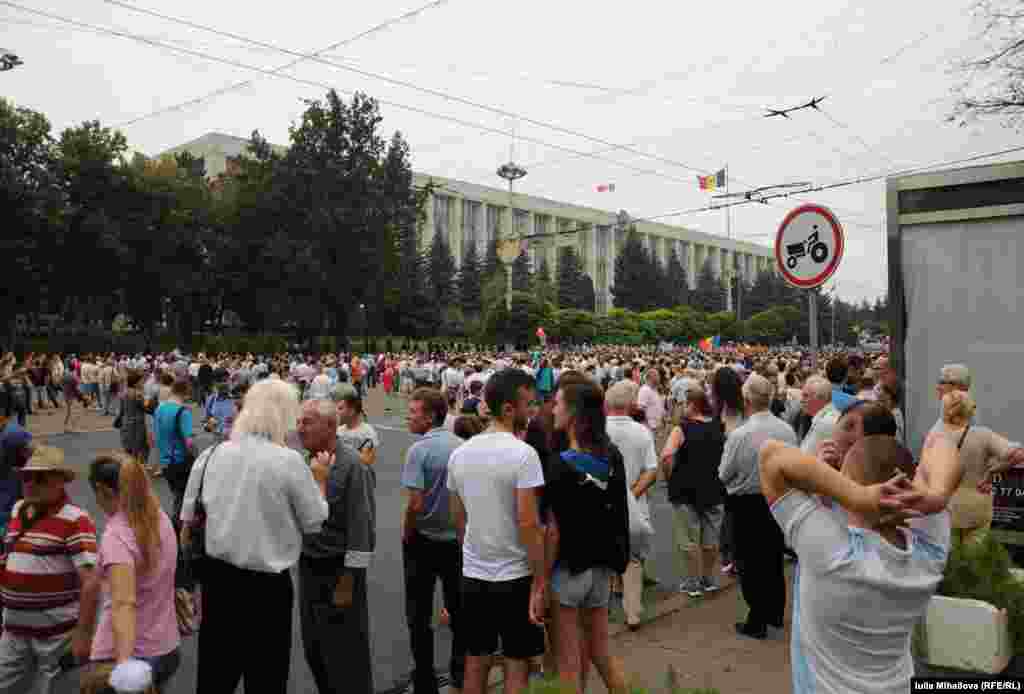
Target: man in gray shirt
x,y
333,607
759,542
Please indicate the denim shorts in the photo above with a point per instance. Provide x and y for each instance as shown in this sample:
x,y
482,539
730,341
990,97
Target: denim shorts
x,y
588,589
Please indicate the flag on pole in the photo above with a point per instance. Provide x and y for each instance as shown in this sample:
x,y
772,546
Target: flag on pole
x,y
712,182
709,343
606,188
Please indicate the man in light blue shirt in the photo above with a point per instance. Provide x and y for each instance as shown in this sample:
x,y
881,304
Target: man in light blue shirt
x,y
430,549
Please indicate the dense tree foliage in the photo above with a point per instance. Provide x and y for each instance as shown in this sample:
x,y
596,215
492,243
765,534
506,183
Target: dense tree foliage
x,y
323,239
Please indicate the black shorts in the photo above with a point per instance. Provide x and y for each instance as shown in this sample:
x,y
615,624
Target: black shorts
x,y
493,609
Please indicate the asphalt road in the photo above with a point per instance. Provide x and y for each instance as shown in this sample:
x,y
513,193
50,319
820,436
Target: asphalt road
x,y
390,640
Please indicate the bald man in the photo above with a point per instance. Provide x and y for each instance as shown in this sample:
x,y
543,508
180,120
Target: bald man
x,y
333,606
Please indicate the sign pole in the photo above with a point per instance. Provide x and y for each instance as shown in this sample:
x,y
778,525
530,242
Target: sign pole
x,y
812,302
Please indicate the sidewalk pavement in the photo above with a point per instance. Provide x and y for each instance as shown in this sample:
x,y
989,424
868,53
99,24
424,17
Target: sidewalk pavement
x,y
697,639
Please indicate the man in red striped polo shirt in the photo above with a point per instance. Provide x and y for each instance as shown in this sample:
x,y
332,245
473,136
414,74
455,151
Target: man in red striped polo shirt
x,y
48,555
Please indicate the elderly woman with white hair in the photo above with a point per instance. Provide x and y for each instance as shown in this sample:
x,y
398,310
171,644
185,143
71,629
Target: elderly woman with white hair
x,y
259,499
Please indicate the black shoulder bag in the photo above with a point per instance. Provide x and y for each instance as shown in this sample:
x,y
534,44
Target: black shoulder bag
x,y
195,553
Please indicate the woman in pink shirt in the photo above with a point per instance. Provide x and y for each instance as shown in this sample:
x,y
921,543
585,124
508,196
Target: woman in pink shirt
x,y
137,559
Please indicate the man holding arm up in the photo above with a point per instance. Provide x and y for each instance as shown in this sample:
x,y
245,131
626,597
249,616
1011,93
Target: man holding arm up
x,y
863,551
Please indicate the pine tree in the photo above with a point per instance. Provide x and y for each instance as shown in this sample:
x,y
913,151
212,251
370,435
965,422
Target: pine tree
x,y
633,281
492,262
470,282
521,272
588,297
708,296
570,274
677,288
543,286
440,273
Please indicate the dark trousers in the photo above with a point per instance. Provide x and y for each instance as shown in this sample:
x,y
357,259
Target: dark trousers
x,y
247,630
426,561
759,549
177,480
336,639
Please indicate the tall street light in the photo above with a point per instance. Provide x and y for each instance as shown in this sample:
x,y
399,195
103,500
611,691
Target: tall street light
x,y
366,329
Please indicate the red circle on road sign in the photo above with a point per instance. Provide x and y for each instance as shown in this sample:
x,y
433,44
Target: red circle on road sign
x,y
838,242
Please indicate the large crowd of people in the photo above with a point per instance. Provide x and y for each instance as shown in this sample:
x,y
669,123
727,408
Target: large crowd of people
x,y
526,499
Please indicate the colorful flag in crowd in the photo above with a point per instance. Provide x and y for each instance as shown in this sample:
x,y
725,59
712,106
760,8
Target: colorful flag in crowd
x,y
712,182
540,333
710,343
606,188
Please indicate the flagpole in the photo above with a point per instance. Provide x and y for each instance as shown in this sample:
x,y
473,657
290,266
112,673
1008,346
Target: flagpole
x,y
728,214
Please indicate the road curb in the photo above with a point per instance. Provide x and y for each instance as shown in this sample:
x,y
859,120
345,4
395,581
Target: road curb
x,y
663,609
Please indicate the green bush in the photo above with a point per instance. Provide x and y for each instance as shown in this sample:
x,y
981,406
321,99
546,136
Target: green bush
x,y
980,570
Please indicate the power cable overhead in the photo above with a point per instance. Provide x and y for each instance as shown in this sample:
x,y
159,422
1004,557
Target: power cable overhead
x,y
402,83
241,85
324,85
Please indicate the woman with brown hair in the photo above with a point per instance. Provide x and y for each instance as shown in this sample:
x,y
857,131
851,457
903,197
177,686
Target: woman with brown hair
x,y
587,535
137,558
134,438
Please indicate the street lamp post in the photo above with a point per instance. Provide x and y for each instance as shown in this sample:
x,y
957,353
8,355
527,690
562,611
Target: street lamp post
x,y
366,329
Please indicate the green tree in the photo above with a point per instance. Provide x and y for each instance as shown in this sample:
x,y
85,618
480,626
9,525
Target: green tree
x,y
708,296
492,261
30,206
570,279
588,297
337,207
632,289
677,288
543,286
441,278
521,272
470,282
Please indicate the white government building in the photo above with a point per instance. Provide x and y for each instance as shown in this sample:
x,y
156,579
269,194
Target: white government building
x,y
466,213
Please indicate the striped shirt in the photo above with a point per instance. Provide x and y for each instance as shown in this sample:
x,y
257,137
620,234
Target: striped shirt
x,y
39,583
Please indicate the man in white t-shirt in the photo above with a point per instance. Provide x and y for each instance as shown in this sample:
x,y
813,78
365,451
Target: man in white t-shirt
x,y
636,443
495,480
864,580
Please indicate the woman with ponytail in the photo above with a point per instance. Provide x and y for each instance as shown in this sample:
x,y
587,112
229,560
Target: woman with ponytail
x,y
137,558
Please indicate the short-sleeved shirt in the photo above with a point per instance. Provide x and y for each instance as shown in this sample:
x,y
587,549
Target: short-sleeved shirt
x,y
362,435
426,469
170,435
39,584
156,630
858,597
636,442
486,472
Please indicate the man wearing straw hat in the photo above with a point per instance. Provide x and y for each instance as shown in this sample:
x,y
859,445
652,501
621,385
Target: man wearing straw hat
x,y
48,555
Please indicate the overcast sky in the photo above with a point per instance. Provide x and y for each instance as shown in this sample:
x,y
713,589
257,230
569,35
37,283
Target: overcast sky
x,y
685,82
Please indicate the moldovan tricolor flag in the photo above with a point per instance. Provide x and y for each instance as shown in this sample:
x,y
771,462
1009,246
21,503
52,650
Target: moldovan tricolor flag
x,y
713,182
606,188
